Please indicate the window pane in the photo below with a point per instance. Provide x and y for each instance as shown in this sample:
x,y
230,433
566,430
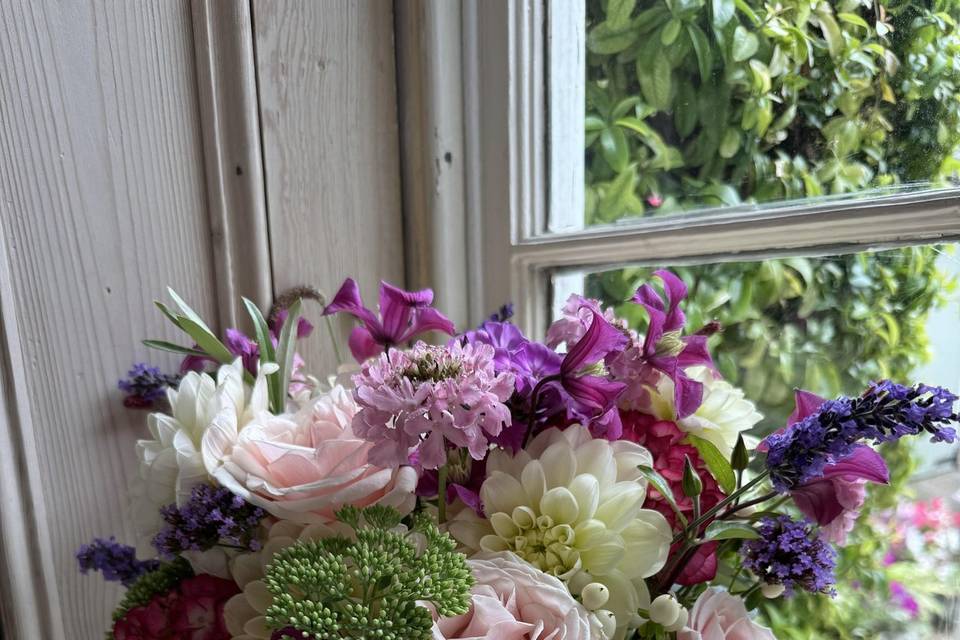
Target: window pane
x,y
826,324
695,104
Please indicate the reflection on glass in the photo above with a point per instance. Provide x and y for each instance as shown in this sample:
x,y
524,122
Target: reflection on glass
x,y
706,103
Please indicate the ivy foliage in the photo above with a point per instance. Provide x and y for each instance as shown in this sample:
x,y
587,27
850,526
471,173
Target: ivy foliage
x,y
694,103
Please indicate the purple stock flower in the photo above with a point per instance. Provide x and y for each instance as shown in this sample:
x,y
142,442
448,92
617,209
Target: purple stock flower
x,y
790,553
145,386
885,412
403,316
117,562
210,517
528,361
663,347
903,599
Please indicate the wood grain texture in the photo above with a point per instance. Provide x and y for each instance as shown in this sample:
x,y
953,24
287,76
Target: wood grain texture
x,y
328,107
103,204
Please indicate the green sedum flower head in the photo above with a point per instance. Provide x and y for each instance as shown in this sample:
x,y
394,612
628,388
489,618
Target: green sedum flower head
x,y
368,586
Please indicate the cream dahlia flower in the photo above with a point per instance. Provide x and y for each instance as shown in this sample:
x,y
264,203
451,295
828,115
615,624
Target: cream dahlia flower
x,y
723,413
171,464
571,505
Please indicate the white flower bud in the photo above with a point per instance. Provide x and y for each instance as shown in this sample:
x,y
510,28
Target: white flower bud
x,y
772,590
594,595
608,622
681,620
665,610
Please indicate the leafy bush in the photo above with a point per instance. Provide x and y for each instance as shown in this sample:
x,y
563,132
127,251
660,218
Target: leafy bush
x,y
716,102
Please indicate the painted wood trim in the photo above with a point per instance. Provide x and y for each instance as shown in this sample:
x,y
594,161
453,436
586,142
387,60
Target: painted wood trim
x,y
431,115
233,155
29,598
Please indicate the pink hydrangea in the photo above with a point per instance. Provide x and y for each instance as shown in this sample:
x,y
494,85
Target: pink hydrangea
x,y
414,403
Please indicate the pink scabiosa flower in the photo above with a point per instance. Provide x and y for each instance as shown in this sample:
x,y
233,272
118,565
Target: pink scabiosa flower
x,y
414,403
403,316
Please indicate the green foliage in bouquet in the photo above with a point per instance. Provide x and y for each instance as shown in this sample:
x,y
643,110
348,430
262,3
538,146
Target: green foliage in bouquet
x,y
696,103
368,586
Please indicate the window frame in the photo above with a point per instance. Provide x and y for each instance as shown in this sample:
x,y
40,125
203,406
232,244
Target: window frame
x,y
523,64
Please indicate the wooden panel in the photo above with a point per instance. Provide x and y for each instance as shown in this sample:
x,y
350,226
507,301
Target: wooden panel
x,y
103,204
328,111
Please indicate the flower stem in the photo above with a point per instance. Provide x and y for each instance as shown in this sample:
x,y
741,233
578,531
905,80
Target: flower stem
x,y
333,339
714,510
442,494
749,503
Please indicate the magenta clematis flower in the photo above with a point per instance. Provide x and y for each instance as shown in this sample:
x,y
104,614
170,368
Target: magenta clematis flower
x,y
591,397
834,499
663,347
403,316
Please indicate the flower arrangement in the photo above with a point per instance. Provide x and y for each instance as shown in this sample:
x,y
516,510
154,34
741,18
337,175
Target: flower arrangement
x,y
599,485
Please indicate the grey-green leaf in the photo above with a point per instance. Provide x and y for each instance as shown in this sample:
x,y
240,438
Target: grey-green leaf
x,y
660,483
701,45
720,530
744,44
286,346
716,462
723,11
163,345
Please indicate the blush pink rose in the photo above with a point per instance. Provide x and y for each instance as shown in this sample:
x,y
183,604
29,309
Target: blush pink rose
x,y
717,615
305,466
513,600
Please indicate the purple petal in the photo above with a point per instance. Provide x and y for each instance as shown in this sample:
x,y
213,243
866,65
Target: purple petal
x,y
362,345
599,340
818,500
687,395
676,292
348,300
695,353
429,319
396,306
806,405
608,426
863,464
593,395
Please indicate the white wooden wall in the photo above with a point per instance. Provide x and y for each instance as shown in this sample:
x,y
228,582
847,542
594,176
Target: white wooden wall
x,y
113,149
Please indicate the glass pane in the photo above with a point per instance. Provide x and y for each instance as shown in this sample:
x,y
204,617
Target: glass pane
x,y
826,324
831,325
699,104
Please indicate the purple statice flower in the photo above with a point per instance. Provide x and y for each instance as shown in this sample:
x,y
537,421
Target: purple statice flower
x,y
117,562
504,313
403,316
145,386
212,516
789,552
885,412
415,403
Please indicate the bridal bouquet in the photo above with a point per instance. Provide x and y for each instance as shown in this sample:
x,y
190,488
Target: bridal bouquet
x,y
600,484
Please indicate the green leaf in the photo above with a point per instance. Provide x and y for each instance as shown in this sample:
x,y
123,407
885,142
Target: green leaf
x,y
287,345
716,462
613,144
746,10
606,40
662,85
662,487
618,12
723,11
187,311
267,354
163,345
594,123
670,32
744,44
206,340
636,125
852,18
730,143
721,530
831,33
623,107
701,45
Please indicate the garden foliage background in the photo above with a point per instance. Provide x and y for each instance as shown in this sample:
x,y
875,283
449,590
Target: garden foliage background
x,y
700,103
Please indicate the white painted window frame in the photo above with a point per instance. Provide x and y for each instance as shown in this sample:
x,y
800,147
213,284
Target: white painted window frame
x,y
523,70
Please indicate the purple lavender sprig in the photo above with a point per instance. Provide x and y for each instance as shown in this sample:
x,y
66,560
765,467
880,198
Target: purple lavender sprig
x,y
145,386
117,562
212,516
886,411
791,553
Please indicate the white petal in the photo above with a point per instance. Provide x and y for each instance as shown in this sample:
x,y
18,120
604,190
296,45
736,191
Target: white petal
x,y
561,505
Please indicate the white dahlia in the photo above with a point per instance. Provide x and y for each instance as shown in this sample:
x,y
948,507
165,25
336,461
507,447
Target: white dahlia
x,y
722,415
171,464
571,505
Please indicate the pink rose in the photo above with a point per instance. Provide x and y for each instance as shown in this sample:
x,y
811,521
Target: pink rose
x,y
304,467
717,615
513,600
